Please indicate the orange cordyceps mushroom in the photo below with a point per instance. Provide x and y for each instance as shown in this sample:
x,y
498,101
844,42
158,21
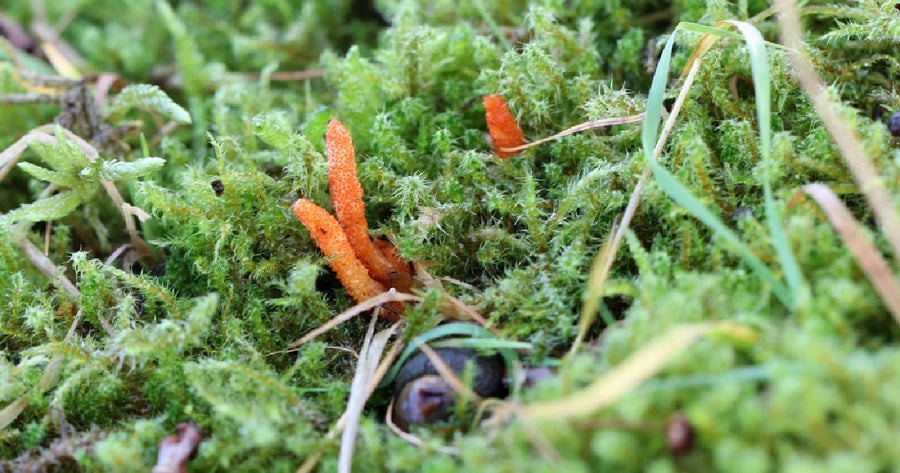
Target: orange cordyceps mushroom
x,y
346,197
505,132
331,240
364,266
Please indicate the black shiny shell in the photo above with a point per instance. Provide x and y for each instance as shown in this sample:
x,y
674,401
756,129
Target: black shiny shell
x,y
489,369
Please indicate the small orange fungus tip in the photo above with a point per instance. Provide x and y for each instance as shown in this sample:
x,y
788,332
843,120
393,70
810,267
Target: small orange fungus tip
x,y
505,132
333,242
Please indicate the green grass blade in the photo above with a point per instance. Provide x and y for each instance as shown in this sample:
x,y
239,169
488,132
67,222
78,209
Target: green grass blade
x,y
705,29
655,100
483,344
680,194
759,63
447,330
486,16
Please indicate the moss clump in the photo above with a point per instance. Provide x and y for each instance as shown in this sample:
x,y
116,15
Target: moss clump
x,y
200,337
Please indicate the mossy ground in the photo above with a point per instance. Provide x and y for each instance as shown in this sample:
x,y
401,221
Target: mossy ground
x,y
194,339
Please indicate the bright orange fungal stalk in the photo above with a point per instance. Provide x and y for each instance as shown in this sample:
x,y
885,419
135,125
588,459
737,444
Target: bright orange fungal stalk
x,y
346,198
505,132
333,242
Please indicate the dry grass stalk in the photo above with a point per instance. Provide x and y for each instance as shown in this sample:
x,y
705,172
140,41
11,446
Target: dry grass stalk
x,y
627,375
580,127
609,250
44,265
844,136
596,281
383,298
311,462
872,263
366,369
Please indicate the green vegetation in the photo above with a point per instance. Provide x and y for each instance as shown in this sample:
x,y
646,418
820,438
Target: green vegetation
x,y
196,330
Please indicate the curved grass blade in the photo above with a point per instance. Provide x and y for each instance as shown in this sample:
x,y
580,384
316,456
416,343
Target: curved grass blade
x,y
759,64
639,367
680,194
655,100
683,196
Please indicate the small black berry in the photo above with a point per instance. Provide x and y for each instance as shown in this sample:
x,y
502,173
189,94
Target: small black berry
x,y
218,187
679,434
894,124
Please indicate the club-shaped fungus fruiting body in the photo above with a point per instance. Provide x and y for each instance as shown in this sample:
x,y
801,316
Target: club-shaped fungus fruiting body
x,y
421,396
365,267
505,132
331,240
346,197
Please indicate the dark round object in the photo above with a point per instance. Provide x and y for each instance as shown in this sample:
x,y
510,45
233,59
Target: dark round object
x,y
421,396
679,434
218,187
423,400
894,124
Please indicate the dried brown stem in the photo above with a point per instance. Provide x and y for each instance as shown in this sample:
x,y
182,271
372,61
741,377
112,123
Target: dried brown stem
x,y
844,136
872,263
582,127
44,265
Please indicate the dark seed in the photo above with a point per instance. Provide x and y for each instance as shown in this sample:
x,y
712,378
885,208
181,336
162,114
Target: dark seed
x,y
894,124
218,187
679,434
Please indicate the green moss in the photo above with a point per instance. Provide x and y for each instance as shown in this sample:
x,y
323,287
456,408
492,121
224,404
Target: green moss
x,y
201,337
